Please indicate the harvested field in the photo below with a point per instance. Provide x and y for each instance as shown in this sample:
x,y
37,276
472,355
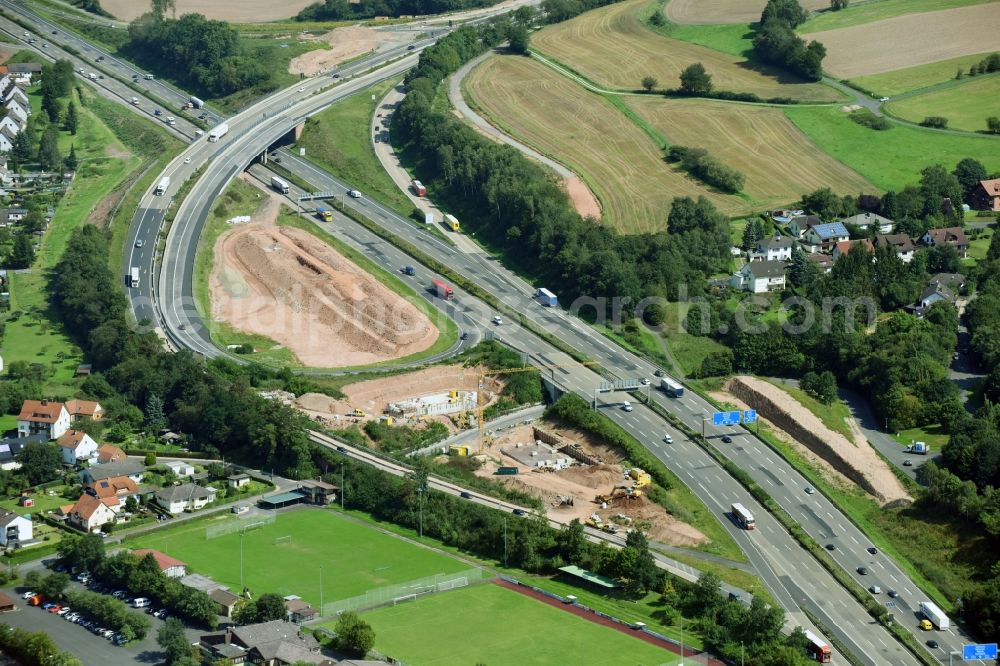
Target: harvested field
x,y
245,11
345,43
755,140
623,166
285,284
914,78
966,105
855,460
613,48
914,39
700,12
867,12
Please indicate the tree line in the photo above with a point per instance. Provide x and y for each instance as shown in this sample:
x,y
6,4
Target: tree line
x,y
33,648
776,43
340,10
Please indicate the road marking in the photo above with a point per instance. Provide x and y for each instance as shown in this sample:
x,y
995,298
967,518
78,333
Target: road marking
x,y
854,540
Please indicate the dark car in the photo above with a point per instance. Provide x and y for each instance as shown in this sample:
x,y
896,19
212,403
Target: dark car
x,y
872,549
342,449
830,546
863,571
933,644
893,593
520,512
465,495
410,47
727,439
465,336
658,372
907,463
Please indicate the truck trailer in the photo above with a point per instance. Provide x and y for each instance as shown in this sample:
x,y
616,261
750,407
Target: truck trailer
x,y
195,102
671,387
133,277
452,222
218,131
279,184
418,188
930,611
162,186
546,298
441,289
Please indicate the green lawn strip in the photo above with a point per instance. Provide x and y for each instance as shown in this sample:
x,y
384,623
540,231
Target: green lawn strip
x,y
689,350
890,159
932,434
867,12
338,140
356,558
643,345
733,38
501,626
914,78
966,103
735,577
8,422
833,415
43,502
978,247
447,336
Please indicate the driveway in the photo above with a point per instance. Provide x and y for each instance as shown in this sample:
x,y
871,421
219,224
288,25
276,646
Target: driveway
x,y
964,370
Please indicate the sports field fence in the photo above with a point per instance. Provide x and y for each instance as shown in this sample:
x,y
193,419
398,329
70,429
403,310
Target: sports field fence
x,y
241,524
392,595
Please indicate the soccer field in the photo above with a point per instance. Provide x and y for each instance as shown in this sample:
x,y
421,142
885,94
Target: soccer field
x,y
354,557
499,627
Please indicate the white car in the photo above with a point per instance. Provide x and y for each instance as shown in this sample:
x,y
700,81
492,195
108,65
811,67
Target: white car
x,y
27,595
668,439
497,320
187,160
883,99
644,381
627,406
302,89
354,194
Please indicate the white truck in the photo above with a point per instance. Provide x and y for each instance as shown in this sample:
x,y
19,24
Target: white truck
x,y
279,184
162,186
218,131
931,612
919,448
135,101
195,102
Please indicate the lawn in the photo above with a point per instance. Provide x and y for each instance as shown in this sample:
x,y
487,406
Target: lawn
x,y
914,78
754,140
622,165
966,105
354,558
890,159
43,502
934,435
688,350
612,47
877,10
489,624
338,140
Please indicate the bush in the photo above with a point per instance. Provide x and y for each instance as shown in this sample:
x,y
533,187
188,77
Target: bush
x,y
700,164
870,120
938,122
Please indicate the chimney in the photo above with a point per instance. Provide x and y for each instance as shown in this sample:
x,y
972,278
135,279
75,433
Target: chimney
x,y
44,402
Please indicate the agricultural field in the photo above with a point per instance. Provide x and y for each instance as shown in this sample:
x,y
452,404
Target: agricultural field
x,y
914,78
890,159
910,40
966,105
858,13
246,11
490,624
612,47
354,557
699,12
757,141
622,165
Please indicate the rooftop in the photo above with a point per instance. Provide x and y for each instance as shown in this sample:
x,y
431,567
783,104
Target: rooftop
x,y
590,576
163,560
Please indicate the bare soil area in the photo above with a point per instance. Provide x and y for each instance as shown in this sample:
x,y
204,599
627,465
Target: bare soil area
x,y
583,199
345,43
570,493
855,459
697,12
910,40
243,11
285,284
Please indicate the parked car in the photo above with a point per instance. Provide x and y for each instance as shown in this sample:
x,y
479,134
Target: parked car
x,y
47,605
27,595
55,608
64,610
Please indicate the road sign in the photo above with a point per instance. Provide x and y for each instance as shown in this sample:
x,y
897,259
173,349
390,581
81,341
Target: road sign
x,y
726,418
318,195
619,385
979,651
749,416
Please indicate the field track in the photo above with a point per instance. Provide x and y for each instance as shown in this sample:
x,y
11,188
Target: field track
x,y
703,12
613,48
910,40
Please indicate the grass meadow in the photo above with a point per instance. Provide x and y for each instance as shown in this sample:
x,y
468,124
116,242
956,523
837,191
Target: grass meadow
x,y
867,12
899,81
966,105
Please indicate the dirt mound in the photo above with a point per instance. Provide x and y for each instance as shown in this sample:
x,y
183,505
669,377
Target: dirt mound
x,y
285,284
374,395
346,43
594,476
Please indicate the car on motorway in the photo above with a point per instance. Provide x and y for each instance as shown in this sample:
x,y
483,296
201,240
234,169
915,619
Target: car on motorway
x,y
626,406
301,90
520,512
497,320
809,490
830,546
907,463
187,160
872,550
726,439
875,589
354,194
933,644
644,381
139,242
55,32
410,47
100,58
336,76
668,439
892,593
465,495
863,571
342,449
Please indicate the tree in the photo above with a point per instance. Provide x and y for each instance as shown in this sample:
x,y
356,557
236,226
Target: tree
x,y
752,234
48,149
22,255
354,635
969,172
789,12
84,552
245,612
993,253
155,419
71,162
53,585
518,39
71,121
40,462
822,386
270,606
837,5
993,125
174,642
648,83
33,579
695,80
21,152
943,259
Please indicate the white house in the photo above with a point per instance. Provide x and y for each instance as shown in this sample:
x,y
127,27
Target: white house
x,y
42,416
824,236
180,468
777,248
16,93
185,497
882,225
15,109
170,566
14,529
760,276
5,83
6,140
91,513
11,124
954,236
77,446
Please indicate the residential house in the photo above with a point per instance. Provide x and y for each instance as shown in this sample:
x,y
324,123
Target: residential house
x,y
121,487
777,248
9,216
899,242
15,93
760,276
42,417
92,513
84,409
172,567
799,223
318,492
954,236
180,468
224,600
25,68
12,126
941,287
986,196
6,139
881,225
238,480
275,643
6,603
824,261
77,446
5,83
184,497
15,530
133,469
109,453
16,110
298,610
844,247
824,237
11,446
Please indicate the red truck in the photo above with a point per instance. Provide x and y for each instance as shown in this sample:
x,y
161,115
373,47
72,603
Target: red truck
x,y
418,188
443,290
